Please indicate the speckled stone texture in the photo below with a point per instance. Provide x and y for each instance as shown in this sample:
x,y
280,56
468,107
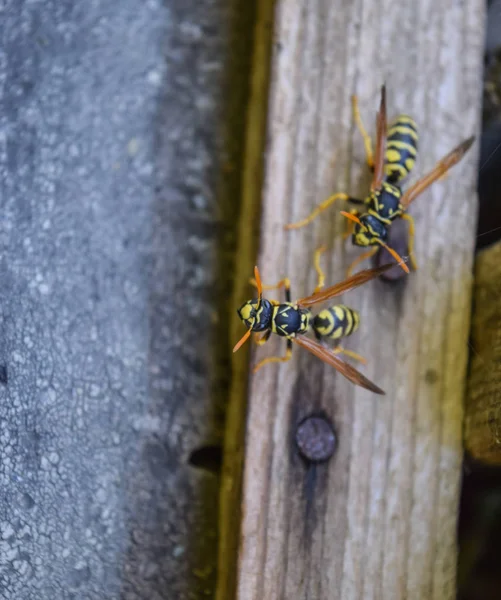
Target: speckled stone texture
x,y
109,145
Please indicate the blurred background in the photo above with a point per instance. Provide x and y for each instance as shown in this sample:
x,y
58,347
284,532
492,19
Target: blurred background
x,y
121,129
121,139
480,515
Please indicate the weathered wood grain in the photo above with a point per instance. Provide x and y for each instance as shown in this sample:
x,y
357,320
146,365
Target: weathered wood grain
x,y
379,519
483,403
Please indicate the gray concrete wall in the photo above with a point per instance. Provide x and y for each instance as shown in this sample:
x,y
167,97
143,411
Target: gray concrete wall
x,y
115,231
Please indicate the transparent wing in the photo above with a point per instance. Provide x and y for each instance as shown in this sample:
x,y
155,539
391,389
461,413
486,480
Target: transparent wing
x,y
439,170
381,132
344,368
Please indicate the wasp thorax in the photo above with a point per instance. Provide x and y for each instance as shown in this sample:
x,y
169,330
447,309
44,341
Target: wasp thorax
x,y
256,316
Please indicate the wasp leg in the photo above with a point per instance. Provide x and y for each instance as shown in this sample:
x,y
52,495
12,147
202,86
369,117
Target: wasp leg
x,y
320,208
370,253
366,137
275,359
285,283
410,220
350,353
264,338
318,268
282,283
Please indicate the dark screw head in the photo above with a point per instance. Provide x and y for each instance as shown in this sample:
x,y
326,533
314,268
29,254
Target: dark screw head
x,y
315,439
398,239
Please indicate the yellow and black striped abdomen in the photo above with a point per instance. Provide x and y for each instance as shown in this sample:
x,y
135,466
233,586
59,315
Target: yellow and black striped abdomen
x,y
401,148
336,322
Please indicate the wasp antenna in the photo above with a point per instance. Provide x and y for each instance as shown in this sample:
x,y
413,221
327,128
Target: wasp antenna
x,y
401,261
466,145
259,286
258,281
353,218
242,340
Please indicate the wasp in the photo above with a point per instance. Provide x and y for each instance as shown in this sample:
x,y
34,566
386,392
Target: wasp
x,y
292,320
395,156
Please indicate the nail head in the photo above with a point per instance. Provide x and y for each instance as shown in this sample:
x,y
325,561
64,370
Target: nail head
x,y
315,439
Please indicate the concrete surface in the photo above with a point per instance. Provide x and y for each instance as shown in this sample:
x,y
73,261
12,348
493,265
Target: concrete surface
x,y
110,120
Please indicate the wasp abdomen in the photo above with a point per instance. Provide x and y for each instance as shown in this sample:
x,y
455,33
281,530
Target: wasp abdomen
x,y
336,322
401,148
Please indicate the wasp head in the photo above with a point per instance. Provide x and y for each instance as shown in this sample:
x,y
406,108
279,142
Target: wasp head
x,y
369,232
256,315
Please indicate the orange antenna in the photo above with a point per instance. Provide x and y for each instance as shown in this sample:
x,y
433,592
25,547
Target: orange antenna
x,y
259,286
242,341
353,218
246,335
395,255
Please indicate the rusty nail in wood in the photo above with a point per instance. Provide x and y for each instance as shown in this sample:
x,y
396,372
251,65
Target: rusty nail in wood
x,y
315,439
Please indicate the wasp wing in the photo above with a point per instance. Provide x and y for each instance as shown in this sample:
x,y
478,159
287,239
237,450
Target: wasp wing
x,y
344,368
439,170
381,133
344,286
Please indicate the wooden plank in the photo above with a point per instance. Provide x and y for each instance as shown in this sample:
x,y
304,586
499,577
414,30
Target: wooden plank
x,y
483,405
379,519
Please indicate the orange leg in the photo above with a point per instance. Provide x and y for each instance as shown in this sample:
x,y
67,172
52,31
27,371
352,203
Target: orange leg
x,y
318,268
350,353
275,359
282,283
264,338
366,137
369,254
319,209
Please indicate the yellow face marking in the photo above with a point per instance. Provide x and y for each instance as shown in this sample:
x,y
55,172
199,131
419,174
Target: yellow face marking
x,y
362,239
246,310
